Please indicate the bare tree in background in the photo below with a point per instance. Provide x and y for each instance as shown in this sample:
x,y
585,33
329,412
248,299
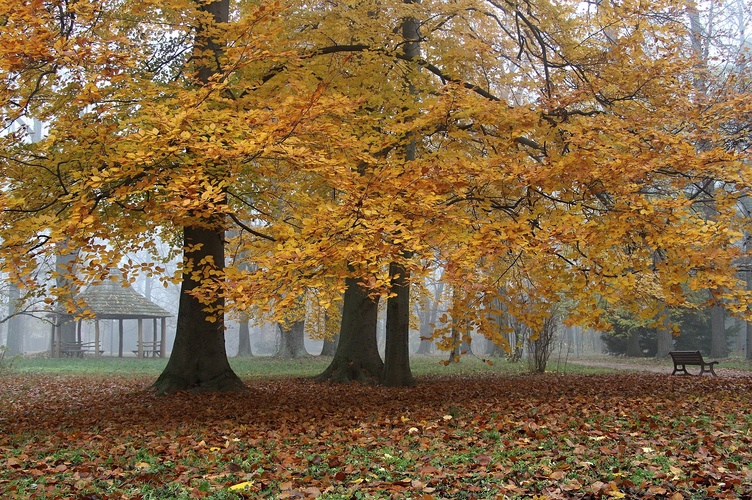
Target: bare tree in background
x,y
540,348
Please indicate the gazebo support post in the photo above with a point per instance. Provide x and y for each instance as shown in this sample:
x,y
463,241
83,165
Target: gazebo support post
x,y
96,338
120,338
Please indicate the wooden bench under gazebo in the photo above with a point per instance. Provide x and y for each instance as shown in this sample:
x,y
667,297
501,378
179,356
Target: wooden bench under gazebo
x,y
111,300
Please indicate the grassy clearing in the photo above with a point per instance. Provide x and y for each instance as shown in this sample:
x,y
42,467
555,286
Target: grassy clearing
x,y
268,367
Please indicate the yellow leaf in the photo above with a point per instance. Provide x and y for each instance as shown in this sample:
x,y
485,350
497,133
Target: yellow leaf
x,y
241,486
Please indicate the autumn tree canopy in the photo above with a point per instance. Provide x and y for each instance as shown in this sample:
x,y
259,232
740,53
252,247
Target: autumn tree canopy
x,y
562,151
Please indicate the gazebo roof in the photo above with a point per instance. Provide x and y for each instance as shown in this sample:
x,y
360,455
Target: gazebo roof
x,y
111,300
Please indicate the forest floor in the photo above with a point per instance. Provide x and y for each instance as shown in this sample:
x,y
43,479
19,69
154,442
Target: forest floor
x,y
631,434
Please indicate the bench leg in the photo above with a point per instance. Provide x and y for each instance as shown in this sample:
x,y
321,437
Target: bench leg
x,y
680,368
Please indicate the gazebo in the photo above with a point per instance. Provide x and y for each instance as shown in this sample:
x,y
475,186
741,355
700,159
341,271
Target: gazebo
x,y
111,300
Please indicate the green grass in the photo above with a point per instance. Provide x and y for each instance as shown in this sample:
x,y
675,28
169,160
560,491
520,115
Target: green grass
x,y
269,367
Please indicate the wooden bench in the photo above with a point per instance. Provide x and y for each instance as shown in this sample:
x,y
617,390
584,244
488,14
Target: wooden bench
x,y
693,358
151,349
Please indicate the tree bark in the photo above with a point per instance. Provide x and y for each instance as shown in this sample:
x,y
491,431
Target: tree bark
x,y
357,356
199,360
292,340
397,352
244,339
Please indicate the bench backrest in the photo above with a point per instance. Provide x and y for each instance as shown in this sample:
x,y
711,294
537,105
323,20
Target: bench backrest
x,y
686,356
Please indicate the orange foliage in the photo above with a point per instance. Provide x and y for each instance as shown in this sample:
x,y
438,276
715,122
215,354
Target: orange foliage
x,y
567,159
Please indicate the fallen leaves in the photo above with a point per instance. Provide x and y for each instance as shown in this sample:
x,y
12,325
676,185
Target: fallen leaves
x,y
601,436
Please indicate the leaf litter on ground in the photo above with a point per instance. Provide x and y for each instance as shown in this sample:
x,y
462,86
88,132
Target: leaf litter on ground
x,y
552,436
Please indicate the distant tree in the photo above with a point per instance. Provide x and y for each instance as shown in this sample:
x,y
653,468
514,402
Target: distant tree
x,y
14,338
428,315
330,346
244,338
718,337
291,340
541,345
692,325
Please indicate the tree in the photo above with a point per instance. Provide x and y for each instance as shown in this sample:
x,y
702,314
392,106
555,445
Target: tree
x,y
397,345
556,161
397,371
201,322
541,347
292,340
244,338
719,342
357,356
141,142
429,314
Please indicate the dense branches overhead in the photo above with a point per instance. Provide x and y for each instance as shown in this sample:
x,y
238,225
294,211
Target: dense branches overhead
x,y
556,148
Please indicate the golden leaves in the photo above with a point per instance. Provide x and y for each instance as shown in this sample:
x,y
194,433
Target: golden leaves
x,y
579,187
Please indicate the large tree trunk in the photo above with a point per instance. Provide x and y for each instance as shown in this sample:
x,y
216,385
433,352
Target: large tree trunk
x,y
397,353
357,356
397,346
718,345
199,361
244,339
292,340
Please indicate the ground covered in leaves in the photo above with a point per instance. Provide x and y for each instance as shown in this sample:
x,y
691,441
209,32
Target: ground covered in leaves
x,y
552,436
